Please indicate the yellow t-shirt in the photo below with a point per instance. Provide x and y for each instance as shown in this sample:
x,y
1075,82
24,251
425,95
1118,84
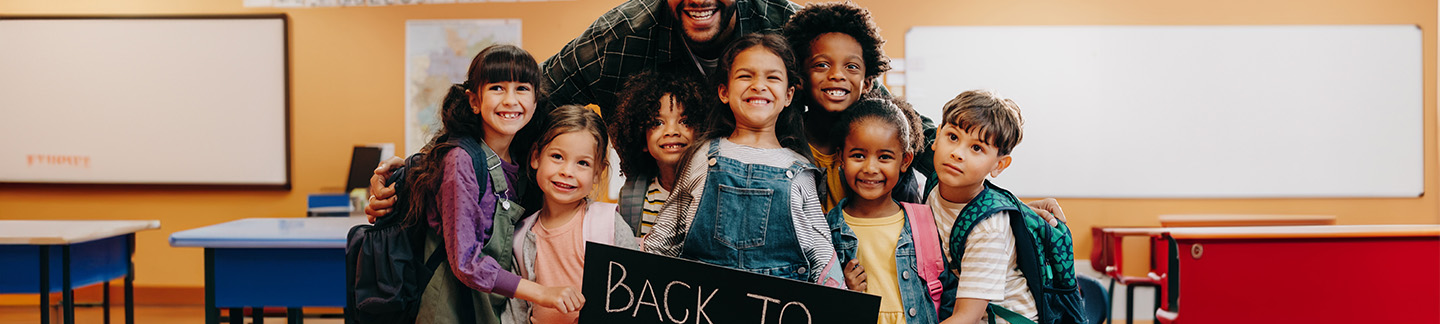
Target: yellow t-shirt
x,y
876,252
826,163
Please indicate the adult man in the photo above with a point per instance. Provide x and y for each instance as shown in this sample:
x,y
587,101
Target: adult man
x,y
675,35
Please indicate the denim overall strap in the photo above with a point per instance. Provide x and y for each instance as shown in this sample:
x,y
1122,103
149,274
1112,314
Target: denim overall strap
x,y
744,222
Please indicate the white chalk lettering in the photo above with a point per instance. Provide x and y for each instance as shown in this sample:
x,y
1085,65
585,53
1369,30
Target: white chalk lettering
x,y
620,283
764,305
802,308
653,302
666,295
700,305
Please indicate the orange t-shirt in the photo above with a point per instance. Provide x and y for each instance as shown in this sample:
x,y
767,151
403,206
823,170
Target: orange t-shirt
x,y
559,261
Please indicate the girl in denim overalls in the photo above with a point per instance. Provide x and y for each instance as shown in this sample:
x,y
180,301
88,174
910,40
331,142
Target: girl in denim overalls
x,y
465,186
747,196
889,248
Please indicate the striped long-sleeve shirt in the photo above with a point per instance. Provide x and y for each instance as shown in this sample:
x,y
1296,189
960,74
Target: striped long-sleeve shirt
x,y
811,230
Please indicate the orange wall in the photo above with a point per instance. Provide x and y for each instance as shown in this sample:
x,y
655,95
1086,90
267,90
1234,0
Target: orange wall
x,y
347,72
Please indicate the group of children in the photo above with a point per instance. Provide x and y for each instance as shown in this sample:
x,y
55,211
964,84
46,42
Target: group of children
x,y
738,174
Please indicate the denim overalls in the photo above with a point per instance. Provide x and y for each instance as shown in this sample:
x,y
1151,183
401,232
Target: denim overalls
x,y
744,220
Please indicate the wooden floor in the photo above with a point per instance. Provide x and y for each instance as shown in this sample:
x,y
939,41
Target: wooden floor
x,y
143,315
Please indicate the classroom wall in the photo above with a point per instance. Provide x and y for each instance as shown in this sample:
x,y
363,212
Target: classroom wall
x,y
347,71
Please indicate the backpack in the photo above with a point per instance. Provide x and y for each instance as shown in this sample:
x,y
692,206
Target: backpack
x,y
386,270
929,257
1045,255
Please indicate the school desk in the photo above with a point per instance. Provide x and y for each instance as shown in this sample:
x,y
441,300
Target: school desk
x,y
1304,274
90,252
1214,220
285,262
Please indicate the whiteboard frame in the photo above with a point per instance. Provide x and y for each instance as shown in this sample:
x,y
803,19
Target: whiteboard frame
x,y
1401,47
288,123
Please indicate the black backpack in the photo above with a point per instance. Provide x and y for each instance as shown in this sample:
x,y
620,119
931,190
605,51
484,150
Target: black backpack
x,y
385,269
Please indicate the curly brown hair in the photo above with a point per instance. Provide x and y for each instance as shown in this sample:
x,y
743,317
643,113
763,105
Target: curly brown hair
x,y
838,17
638,108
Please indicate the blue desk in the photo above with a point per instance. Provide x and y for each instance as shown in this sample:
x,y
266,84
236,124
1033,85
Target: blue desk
x,y
284,262
90,252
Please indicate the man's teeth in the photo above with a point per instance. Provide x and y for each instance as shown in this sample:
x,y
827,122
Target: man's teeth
x,y
837,93
700,14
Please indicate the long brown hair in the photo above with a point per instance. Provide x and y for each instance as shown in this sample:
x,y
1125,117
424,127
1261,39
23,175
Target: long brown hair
x,y
497,63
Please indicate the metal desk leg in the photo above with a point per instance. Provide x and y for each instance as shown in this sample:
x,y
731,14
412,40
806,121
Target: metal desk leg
x,y
237,315
295,315
105,300
44,284
212,314
68,294
129,280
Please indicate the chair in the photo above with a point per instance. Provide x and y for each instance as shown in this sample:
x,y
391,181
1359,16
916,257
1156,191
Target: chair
x,y
1115,271
1097,307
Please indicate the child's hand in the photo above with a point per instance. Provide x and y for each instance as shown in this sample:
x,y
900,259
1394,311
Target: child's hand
x,y
855,276
563,299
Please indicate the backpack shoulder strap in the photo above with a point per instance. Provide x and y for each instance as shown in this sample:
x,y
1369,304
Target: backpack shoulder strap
x,y
600,222
928,253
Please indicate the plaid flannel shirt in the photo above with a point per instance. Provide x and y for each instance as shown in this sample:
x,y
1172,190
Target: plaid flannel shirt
x,y
636,35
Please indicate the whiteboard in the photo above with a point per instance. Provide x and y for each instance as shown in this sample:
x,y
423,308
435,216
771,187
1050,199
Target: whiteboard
x,y
172,101
1192,111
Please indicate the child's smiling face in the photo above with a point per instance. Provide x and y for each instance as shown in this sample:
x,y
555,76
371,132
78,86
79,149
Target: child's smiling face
x,y
873,158
667,140
836,71
757,88
567,167
505,107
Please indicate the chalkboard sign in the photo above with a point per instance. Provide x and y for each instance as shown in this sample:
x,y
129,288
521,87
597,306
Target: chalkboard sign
x,y
626,286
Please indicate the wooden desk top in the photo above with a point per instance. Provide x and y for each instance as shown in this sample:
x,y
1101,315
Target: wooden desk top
x,y
61,232
306,232
1324,231
1209,220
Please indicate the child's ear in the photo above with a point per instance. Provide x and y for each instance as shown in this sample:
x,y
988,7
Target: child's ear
x,y
789,96
905,162
1000,166
474,101
866,86
723,98
534,160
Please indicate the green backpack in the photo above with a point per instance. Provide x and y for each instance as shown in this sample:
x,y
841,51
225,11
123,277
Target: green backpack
x,y
1046,256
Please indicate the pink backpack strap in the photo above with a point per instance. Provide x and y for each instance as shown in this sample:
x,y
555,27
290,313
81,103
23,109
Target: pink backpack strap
x,y
600,223
929,257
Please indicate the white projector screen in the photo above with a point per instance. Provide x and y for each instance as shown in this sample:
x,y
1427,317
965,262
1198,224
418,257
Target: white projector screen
x,y
1192,111
145,100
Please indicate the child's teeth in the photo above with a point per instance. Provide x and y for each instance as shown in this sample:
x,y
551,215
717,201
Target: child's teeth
x,y
837,93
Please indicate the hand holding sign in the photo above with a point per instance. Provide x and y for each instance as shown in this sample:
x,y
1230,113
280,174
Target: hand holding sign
x,y
636,287
563,299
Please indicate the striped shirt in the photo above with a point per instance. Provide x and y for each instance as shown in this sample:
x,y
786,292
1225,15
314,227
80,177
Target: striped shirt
x,y
811,230
655,196
988,269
